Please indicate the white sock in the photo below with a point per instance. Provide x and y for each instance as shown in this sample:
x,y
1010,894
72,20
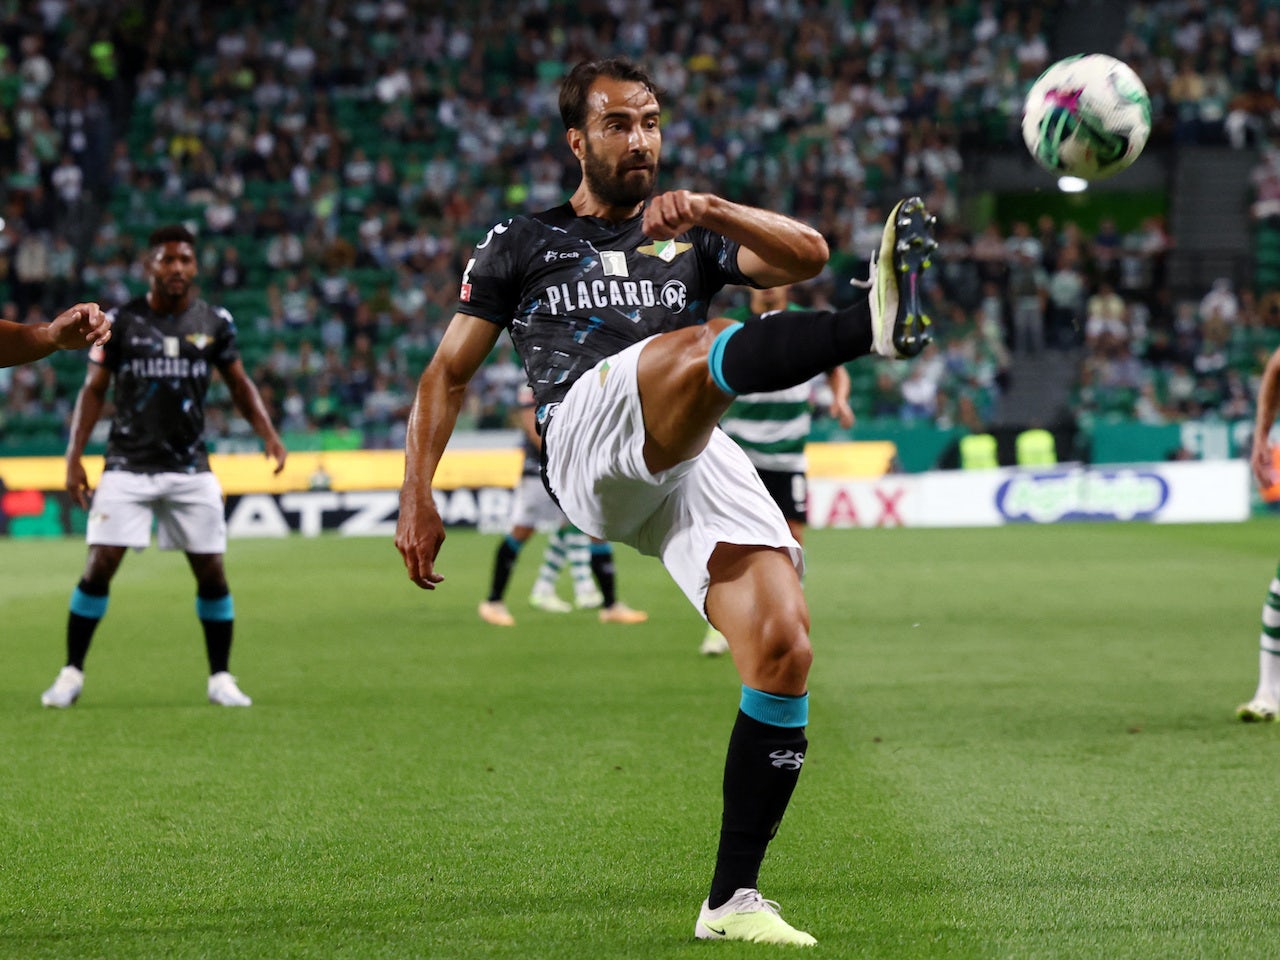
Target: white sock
x,y
579,547
1269,645
553,558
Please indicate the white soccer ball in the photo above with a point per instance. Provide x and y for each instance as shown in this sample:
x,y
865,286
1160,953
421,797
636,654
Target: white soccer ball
x,y
1087,116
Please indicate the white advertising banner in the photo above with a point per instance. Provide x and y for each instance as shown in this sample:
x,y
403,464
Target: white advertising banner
x,y
1176,492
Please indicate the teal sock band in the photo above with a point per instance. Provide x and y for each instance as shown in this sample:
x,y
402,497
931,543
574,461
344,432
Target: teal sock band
x,y
775,710
715,357
87,605
514,544
601,549
219,609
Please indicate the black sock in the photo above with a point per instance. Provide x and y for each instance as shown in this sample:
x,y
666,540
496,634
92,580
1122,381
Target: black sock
x,y
760,773
88,604
789,347
502,565
602,569
217,617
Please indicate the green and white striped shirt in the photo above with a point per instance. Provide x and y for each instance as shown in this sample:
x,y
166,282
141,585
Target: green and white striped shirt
x,y
772,427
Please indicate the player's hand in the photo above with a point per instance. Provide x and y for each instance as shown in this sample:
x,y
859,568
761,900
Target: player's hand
x,y
419,534
273,449
78,483
843,413
671,214
83,325
1263,466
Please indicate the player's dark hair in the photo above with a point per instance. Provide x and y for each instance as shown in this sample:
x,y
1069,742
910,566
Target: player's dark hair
x,y
173,233
574,87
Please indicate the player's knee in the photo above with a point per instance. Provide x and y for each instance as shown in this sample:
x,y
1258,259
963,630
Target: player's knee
x,y
786,653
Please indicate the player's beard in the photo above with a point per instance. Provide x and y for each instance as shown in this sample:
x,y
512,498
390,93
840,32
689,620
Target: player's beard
x,y
617,188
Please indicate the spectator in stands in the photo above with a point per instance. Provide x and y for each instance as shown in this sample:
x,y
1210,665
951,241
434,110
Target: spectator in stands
x,y
1065,293
1220,303
1027,284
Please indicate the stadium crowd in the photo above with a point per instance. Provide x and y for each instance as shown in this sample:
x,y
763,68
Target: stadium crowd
x,y
338,161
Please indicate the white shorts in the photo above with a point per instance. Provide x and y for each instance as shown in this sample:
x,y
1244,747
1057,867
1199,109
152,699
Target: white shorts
x,y
187,508
533,506
595,465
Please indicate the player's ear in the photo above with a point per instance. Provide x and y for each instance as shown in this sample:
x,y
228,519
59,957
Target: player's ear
x,y
574,137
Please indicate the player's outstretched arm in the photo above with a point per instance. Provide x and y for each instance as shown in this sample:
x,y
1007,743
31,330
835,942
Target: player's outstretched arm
x,y
1265,417
80,326
249,402
774,249
89,403
419,531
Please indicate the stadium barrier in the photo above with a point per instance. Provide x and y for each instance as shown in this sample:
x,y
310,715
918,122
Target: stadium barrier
x,y
1173,492
356,493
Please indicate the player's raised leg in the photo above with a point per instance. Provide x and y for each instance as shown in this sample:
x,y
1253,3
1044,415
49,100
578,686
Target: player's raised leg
x,y
755,599
688,377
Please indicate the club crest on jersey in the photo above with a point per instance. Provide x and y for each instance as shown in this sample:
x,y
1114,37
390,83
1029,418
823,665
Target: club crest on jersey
x,y
614,263
665,250
199,340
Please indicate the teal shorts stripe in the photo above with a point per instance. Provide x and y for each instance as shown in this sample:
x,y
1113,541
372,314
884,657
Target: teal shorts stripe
x,y
86,605
775,710
715,357
219,609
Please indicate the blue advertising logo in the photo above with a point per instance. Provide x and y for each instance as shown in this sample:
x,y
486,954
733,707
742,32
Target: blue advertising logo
x,y
1082,495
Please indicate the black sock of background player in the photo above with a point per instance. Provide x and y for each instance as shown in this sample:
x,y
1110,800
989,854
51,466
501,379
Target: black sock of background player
x,y
602,568
760,772
503,563
789,347
217,617
88,605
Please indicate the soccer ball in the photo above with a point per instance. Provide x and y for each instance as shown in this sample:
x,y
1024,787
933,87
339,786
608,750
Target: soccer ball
x,y
1087,116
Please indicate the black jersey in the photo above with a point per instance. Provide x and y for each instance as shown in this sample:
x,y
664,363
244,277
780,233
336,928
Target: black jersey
x,y
161,364
573,290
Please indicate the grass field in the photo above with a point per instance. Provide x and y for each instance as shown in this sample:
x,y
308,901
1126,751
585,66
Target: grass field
x,y
1022,745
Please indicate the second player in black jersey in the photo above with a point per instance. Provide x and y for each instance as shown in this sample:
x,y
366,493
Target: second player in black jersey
x,y
164,349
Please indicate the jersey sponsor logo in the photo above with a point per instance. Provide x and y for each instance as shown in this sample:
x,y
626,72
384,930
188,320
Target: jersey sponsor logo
x,y
674,295
614,263
599,295
787,759
665,250
172,347
551,256
167,368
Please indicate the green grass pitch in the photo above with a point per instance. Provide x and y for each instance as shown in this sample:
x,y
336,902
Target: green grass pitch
x,y
1022,745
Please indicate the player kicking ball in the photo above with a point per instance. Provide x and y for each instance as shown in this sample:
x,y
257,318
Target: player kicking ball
x,y
605,298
